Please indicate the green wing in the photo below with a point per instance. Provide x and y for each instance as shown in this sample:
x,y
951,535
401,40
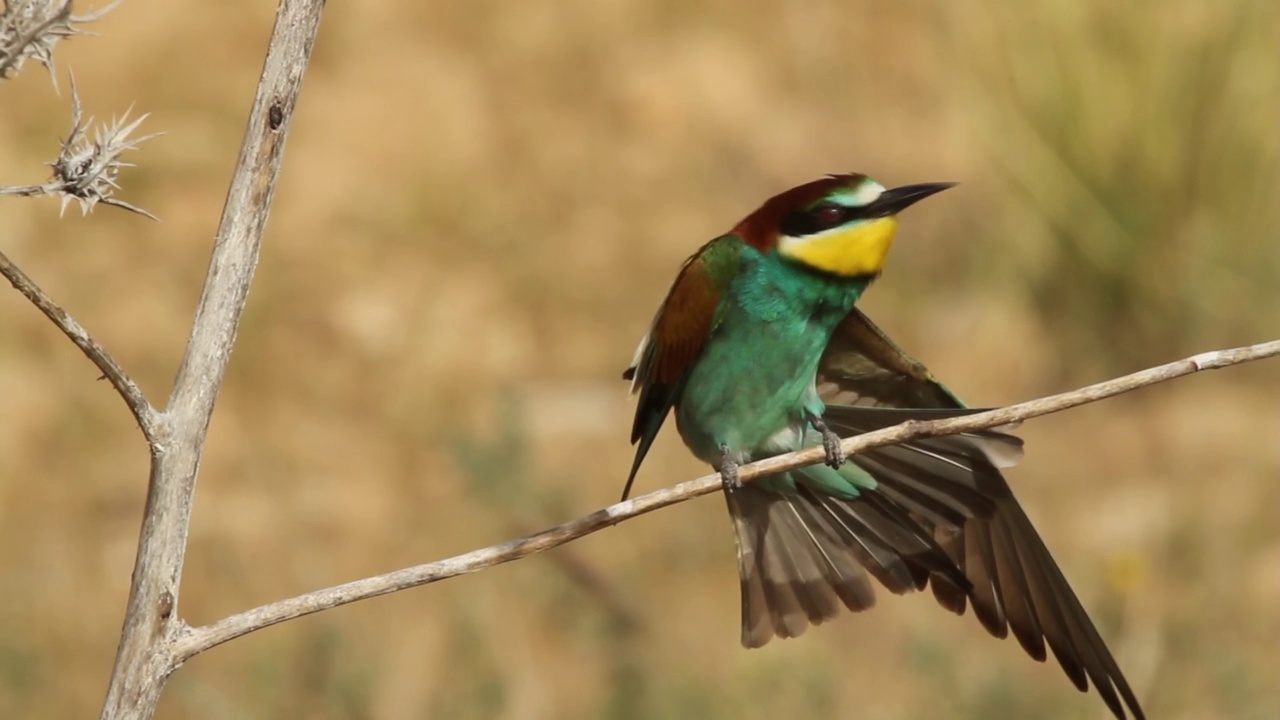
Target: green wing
x,y
863,367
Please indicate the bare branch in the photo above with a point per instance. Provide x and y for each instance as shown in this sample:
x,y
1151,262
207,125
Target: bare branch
x,y
85,170
142,410
145,656
196,640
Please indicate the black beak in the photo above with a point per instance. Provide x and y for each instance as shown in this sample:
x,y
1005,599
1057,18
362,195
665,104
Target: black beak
x,y
892,202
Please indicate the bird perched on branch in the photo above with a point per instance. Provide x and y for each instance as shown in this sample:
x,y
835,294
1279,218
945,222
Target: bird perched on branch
x,y
759,351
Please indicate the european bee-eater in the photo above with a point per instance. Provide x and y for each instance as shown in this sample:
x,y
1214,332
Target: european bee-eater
x,y
759,351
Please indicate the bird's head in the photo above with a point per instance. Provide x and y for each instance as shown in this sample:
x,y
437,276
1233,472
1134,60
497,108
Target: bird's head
x,y
841,224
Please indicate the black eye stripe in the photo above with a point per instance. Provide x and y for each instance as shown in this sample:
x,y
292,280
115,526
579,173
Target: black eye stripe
x,y
816,219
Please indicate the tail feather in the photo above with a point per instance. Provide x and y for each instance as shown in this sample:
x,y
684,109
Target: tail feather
x,y
846,575
805,554
794,568
942,514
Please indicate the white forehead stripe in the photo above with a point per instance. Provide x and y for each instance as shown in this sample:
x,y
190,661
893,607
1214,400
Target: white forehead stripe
x,y
863,195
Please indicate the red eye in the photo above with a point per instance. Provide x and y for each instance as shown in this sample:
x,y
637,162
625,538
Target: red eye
x,y
815,219
829,214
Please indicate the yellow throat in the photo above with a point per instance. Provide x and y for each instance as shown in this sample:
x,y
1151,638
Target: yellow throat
x,y
850,251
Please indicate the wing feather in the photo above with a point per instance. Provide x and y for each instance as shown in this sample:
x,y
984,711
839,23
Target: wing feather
x,y
679,331
952,488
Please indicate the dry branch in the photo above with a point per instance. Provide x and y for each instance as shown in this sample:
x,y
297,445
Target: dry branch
x,y
154,640
111,370
199,639
86,171
145,656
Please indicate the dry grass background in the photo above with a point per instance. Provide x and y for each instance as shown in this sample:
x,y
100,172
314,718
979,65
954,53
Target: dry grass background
x,y
481,206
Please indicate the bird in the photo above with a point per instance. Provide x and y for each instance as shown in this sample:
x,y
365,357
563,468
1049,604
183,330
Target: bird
x,y
758,350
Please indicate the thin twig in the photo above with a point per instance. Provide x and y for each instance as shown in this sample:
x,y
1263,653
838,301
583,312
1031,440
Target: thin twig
x,y
198,639
151,625
129,391
622,611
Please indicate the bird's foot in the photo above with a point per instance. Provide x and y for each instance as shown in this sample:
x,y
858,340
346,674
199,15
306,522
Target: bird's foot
x,y
830,442
728,470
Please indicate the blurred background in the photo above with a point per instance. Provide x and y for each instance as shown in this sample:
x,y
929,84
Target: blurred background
x,y
481,206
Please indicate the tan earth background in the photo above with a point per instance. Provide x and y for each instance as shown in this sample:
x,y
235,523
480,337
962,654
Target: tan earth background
x,y
481,205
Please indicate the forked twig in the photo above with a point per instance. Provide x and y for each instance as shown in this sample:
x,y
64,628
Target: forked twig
x,y
144,658
142,410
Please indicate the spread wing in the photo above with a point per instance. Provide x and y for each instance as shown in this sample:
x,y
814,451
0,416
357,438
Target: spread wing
x,y
679,331
863,367
952,487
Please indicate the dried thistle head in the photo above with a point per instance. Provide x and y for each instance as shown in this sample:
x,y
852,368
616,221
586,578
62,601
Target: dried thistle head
x,y
86,170
29,29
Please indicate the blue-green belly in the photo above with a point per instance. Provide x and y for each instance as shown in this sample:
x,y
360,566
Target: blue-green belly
x,y
752,386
